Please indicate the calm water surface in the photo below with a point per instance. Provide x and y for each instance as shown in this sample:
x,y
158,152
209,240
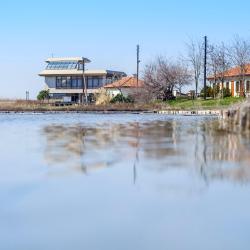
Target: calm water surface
x,y
74,181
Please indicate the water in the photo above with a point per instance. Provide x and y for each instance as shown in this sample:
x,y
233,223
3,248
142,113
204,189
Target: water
x,y
74,181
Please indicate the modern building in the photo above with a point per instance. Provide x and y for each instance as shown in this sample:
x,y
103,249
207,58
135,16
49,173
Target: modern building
x,y
68,81
125,86
233,81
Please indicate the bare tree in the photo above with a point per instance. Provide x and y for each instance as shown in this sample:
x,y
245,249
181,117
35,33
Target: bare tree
x,y
219,64
213,64
195,58
224,64
183,76
162,76
240,55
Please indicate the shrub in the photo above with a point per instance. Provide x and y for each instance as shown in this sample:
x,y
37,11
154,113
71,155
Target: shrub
x,y
121,98
227,92
209,92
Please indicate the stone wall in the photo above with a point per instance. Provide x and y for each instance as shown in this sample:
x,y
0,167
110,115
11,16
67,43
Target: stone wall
x,y
237,118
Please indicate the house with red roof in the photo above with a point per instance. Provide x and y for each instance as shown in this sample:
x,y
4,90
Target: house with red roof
x,y
233,81
125,86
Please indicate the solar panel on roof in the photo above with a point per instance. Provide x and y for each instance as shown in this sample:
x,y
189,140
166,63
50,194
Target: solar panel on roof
x,y
61,65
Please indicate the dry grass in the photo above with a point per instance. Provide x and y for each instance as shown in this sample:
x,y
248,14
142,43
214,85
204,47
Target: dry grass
x,y
37,106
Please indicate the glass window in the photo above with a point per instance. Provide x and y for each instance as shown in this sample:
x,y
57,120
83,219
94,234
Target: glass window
x,y
89,82
248,86
74,82
237,87
61,65
79,82
95,82
58,82
101,83
68,82
64,82
80,66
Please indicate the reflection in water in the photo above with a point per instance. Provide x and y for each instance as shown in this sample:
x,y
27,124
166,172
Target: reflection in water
x,y
228,154
157,146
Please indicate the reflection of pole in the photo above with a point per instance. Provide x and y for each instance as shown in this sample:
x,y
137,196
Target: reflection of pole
x,y
135,173
201,156
137,152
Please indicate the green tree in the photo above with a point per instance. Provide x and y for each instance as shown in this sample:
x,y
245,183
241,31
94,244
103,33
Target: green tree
x,y
43,95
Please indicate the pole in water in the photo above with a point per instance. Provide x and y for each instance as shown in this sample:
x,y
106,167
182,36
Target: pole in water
x,y
205,68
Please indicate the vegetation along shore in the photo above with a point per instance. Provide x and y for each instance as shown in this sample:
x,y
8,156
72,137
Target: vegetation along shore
x,y
180,104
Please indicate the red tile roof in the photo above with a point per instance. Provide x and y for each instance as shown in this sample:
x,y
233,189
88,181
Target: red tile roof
x,y
126,82
233,72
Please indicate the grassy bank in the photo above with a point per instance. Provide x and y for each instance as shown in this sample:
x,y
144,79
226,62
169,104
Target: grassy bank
x,y
186,104
36,106
178,104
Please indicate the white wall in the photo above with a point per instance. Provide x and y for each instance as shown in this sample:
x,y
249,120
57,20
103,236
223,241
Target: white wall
x,y
125,91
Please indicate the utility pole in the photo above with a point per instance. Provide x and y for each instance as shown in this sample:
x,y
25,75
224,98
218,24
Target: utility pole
x,y
84,82
27,95
138,65
205,68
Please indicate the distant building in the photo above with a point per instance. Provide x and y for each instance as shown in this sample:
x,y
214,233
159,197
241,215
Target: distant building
x,y
126,86
233,82
64,78
177,93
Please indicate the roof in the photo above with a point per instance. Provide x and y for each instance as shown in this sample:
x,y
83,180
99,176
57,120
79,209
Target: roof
x,y
71,72
126,82
76,72
233,72
67,59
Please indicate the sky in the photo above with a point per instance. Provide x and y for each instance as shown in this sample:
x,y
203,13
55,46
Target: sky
x,y
107,32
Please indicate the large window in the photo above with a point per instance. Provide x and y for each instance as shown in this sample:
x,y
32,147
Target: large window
x,y
64,82
79,83
94,82
58,82
74,82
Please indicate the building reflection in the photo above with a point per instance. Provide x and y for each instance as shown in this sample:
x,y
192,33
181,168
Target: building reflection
x,y
227,154
158,146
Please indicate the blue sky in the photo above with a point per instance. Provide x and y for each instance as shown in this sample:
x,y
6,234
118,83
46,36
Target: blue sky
x,y
107,32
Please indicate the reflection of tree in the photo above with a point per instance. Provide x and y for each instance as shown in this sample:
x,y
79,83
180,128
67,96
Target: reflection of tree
x,y
104,145
159,145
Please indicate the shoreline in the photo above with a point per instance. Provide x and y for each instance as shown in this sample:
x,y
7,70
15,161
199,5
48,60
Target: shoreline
x,y
216,112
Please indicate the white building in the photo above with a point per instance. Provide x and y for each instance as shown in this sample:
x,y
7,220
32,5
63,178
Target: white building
x,y
66,78
125,86
233,82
